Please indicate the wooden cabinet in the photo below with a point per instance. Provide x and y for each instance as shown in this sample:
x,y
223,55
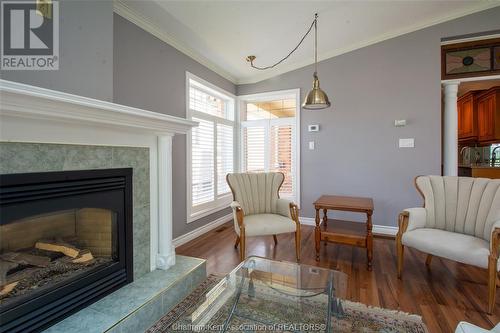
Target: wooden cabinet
x,y
479,116
464,171
488,115
467,117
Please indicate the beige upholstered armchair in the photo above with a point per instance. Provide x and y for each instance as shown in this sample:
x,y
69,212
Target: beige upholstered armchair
x,y
258,209
460,221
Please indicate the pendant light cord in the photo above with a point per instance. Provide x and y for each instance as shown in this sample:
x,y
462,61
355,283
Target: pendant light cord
x,y
313,24
315,44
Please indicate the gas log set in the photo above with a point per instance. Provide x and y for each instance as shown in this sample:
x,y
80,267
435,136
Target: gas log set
x,y
46,263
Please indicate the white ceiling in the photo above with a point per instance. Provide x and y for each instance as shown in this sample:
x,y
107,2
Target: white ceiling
x,y
220,34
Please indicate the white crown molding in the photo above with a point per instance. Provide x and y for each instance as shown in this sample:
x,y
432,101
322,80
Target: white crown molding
x,y
469,39
120,8
131,15
377,228
22,100
201,230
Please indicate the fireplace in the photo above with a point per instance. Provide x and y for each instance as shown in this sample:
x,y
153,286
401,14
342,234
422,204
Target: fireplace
x,y
65,242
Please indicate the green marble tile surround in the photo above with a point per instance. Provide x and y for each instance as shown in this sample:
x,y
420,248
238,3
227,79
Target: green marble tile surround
x,y
16,157
137,306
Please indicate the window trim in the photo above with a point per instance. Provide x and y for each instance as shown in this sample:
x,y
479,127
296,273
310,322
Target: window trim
x,y
223,201
265,96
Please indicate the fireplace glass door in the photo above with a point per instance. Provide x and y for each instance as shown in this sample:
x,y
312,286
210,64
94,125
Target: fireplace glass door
x,y
65,242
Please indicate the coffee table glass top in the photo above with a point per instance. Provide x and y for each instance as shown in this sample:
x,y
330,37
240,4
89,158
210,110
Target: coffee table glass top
x,y
266,295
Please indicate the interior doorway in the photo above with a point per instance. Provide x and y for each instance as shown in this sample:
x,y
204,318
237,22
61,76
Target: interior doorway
x,y
471,127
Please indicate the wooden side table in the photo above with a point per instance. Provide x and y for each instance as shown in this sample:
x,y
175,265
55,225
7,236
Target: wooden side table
x,y
345,232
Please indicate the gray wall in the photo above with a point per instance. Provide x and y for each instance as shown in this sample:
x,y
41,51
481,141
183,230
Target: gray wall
x,y
85,52
151,74
356,147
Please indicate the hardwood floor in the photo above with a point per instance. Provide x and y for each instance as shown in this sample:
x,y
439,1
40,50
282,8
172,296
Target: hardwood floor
x,y
443,294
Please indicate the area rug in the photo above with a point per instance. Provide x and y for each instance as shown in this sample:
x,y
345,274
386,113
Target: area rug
x,y
357,317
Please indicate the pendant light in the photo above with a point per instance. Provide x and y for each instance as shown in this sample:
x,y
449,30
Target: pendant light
x,y
316,99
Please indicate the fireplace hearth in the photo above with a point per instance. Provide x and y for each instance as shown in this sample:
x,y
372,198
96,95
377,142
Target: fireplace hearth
x,y
65,242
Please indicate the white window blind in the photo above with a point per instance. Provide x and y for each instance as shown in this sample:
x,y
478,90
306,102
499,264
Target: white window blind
x,y
281,155
202,162
254,139
211,144
225,156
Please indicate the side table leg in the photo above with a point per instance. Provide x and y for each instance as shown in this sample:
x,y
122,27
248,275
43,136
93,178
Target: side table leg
x,y
369,241
317,235
325,221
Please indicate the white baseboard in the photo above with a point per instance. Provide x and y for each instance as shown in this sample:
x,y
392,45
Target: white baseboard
x,y
385,230
201,230
307,221
377,229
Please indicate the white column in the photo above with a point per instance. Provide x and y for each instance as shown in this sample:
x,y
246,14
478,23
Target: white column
x,y
166,251
450,135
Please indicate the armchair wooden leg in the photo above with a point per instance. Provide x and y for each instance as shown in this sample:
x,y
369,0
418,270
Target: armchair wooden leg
x,y
275,240
242,246
492,288
400,251
297,244
403,221
428,260
237,242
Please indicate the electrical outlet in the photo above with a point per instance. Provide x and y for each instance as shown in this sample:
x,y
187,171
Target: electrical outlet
x,y
407,143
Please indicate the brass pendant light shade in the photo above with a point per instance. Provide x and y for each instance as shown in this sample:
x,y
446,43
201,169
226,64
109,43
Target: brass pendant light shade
x,y
316,99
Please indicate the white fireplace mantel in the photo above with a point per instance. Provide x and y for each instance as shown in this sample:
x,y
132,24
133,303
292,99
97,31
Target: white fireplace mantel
x,y
34,114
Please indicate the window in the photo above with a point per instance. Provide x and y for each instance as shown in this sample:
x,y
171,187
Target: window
x,y
211,147
270,137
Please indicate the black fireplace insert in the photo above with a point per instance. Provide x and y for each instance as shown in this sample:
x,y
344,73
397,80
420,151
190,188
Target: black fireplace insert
x,y
65,242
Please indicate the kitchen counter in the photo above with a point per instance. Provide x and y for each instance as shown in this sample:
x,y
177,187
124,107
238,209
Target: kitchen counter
x,y
479,166
479,171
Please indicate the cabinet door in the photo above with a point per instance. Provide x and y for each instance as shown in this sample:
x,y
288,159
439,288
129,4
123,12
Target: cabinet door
x,y
486,126
460,121
467,118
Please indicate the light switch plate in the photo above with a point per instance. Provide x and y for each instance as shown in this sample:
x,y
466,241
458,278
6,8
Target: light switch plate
x,y
400,122
407,143
311,145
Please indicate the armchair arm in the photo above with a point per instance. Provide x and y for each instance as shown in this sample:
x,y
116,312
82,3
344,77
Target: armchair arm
x,y
495,239
416,218
237,214
288,209
283,207
410,219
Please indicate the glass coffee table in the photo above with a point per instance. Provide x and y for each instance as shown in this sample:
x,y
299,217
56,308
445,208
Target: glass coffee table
x,y
266,295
